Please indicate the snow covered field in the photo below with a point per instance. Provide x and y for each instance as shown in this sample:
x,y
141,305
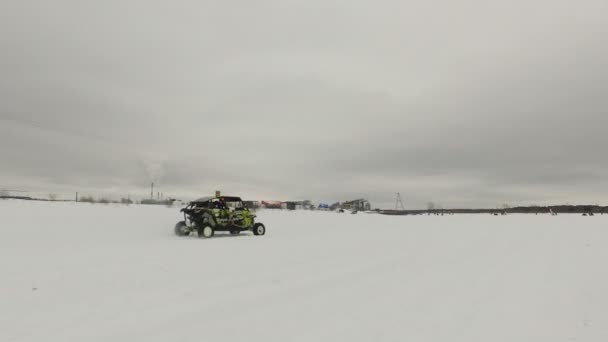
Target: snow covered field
x,y
82,272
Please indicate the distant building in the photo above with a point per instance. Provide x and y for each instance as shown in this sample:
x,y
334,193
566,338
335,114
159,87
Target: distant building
x,y
297,205
358,205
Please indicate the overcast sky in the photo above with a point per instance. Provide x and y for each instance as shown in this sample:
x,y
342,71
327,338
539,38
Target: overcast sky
x,y
463,103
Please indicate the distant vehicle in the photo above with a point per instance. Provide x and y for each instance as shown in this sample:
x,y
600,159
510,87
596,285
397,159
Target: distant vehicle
x,y
207,215
271,204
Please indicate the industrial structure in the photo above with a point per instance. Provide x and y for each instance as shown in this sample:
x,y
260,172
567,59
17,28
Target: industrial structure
x,y
357,205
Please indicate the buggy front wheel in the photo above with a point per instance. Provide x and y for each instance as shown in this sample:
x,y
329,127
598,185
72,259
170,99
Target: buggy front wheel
x,y
181,229
259,229
206,232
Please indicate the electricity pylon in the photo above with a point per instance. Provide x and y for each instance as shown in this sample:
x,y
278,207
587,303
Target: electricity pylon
x,y
399,202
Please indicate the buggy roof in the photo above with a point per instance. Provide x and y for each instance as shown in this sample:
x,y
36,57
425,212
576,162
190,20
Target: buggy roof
x,y
226,198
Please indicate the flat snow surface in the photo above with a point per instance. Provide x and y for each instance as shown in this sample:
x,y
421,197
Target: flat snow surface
x,y
82,272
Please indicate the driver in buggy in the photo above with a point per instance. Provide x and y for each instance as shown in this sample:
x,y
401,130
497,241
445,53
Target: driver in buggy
x,y
217,204
223,209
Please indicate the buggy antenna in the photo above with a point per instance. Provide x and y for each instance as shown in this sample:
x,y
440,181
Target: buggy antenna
x,y
399,202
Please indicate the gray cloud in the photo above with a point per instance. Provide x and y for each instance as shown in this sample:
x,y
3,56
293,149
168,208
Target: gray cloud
x,y
472,103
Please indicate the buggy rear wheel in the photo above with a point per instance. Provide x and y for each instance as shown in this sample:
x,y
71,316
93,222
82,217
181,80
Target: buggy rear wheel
x,y
206,231
259,229
181,229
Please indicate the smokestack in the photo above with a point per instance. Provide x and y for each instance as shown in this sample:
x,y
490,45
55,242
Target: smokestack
x,y
152,191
